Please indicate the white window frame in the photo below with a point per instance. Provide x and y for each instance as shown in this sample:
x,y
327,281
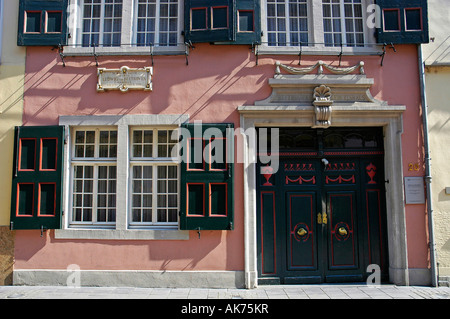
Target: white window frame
x,y
157,30
154,162
122,228
342,24
95,162
288,31
128,44
101,32
316,38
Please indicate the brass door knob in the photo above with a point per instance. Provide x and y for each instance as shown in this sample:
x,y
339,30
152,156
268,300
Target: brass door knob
x,y
342,231
302,232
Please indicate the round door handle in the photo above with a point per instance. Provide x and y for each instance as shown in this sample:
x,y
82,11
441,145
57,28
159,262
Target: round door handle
x,y
302,232
342,231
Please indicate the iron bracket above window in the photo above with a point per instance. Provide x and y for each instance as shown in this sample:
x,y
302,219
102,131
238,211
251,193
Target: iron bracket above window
x,y
187,46
392,47
151,53
95,55
300,54
255,51
61,54
340,55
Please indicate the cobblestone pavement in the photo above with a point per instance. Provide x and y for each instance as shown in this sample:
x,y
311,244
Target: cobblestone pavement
x,y
324,291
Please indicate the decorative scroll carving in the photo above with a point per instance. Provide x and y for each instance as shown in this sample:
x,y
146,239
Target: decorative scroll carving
x,y
322,106
320,65
322,93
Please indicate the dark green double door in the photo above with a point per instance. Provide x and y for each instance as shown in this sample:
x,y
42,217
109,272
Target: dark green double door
x,y
321,222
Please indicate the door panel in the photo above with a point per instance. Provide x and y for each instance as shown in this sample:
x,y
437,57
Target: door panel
x,y
302,239
342,243
268,233
322,219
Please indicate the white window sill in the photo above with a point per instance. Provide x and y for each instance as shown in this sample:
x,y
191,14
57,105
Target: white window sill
x,y
114,234
319,50
125,50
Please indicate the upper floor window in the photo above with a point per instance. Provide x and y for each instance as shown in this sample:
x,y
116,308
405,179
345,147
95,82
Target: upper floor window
x,y
102,22
125,23
325,23
287,22
343,22
157,22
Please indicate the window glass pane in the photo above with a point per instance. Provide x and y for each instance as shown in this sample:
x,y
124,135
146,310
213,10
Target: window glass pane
x,y
108,15
167,194
141,199
289,22
142,143
82,193
106,194
167,17
338,32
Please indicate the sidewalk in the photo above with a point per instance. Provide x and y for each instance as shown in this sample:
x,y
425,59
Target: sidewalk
x,y
324,291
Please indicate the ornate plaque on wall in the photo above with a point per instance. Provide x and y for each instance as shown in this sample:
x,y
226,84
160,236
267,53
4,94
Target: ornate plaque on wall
x,y
124,79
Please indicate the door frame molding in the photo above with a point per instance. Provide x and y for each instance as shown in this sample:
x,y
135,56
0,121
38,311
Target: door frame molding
x,y
299,112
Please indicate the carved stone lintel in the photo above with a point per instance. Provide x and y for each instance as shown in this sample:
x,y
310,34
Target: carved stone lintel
x,y
322,106
320,65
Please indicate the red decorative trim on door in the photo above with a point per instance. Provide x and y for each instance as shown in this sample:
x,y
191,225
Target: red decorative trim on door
x,y
371,171
299,167
274,234
339,179
300,180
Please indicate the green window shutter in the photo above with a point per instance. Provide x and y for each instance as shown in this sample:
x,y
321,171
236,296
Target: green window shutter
x,y
223,21
403,22
248,22
37,177
207,181
42,23
208,21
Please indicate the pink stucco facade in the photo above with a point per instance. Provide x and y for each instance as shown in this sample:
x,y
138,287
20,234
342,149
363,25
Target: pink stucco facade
x,y
216,82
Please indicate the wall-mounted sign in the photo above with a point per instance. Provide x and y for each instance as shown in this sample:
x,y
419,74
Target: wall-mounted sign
x,y
414,190
124,79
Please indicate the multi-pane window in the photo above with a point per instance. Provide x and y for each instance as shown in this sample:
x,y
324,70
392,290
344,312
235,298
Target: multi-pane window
x,y
287,22
157,22
154,177
101,23
343,22
94,174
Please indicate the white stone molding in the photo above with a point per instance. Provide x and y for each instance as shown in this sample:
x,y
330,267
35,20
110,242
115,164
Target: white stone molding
x,y
291,103
320,65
